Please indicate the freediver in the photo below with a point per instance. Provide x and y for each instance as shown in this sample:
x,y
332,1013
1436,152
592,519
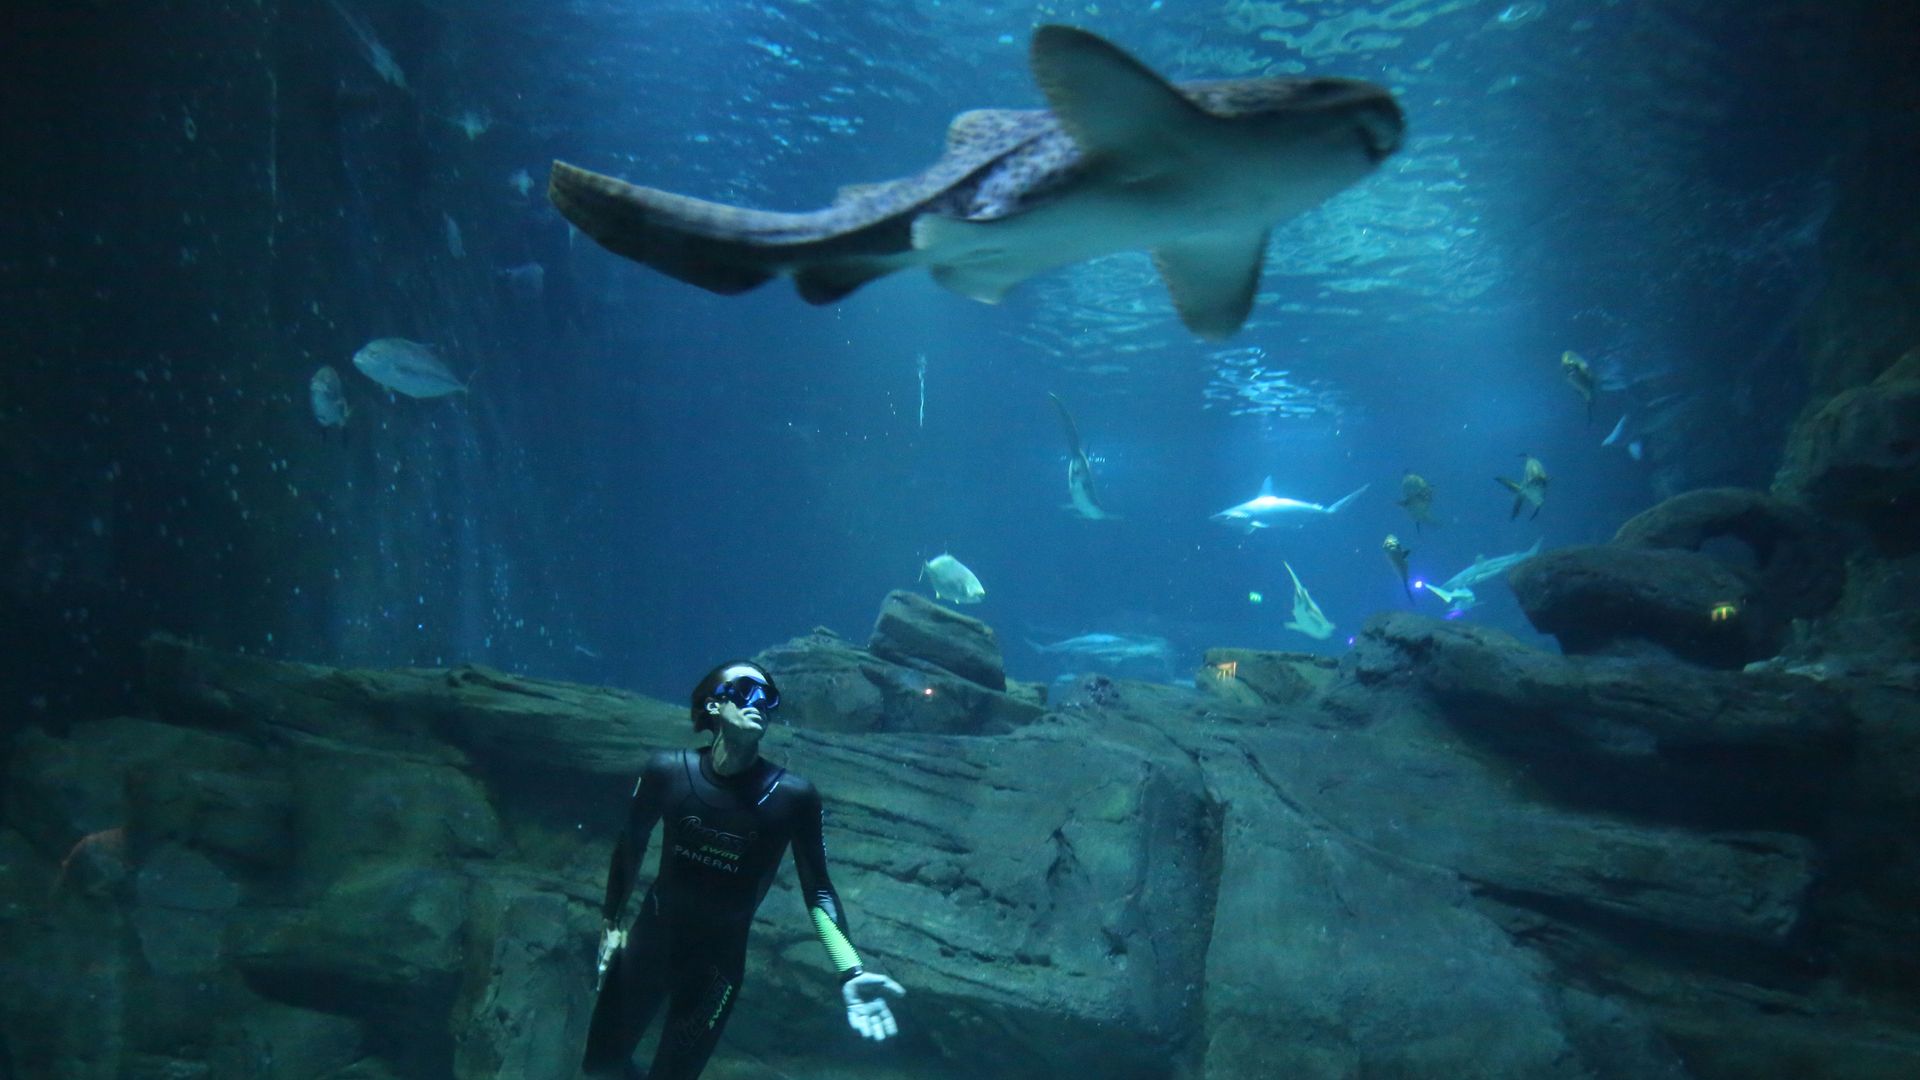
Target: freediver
x,y
727,815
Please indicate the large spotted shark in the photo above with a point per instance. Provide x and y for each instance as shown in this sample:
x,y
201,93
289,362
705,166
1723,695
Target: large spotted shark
x,y
1121,160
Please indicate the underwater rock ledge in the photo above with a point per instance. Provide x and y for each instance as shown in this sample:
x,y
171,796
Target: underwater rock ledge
x,y
1447,855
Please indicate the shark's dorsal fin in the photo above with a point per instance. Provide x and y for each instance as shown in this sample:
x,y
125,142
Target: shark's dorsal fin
x,y
1213,279
1110,103
1266,486
976,127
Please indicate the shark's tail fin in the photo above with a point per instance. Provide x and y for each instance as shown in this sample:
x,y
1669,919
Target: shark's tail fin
x,y
706,244
1335,508
1066,421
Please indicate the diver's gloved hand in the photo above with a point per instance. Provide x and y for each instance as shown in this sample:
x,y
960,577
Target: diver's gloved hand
x,y
867,1010
611,941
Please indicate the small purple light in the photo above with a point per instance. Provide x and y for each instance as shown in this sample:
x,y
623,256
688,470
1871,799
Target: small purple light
x,y
1349,643
1418,584
1455,613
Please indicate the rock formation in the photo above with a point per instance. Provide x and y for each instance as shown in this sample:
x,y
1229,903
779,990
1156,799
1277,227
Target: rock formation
x,y
1446,855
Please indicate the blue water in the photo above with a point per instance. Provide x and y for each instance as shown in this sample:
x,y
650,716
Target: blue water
x,y
656,477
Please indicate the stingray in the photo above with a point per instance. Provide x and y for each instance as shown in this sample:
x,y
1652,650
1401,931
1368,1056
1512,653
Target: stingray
x,y
1121,160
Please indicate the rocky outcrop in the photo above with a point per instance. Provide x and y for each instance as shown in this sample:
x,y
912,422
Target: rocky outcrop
x,y
1794,562
902,682
1447,854
1857,458
1250,676
1715,577
1644,737
1613,600
915,631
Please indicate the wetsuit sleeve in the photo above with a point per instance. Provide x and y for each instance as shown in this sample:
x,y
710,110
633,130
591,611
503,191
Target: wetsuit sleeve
x,y
823,904
643,812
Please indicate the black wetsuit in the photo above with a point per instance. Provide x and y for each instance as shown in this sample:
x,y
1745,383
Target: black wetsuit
x,y
722,839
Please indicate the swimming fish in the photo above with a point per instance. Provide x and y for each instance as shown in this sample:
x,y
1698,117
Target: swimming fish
x,y
376,54
1484,569
1121,160
456,246
1265,509
1530,489
1307,616
952,580
1112,648
1080,493
1398,554
1634,447
1580,376
407,367
529,279
328,398
1459,601
1416,497
472,122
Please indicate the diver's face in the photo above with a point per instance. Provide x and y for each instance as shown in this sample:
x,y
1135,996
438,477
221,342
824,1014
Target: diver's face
x,y
734,722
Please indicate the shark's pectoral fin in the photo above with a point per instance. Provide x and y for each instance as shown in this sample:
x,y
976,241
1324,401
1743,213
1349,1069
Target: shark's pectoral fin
x,y
1110,103
827,283
963,257
1213,279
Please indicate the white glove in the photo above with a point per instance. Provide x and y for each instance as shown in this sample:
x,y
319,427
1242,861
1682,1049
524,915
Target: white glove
x,y
867,1010
611,941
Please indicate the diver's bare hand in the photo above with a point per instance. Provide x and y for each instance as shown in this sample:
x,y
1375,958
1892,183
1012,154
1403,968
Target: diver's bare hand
x,y
867,1010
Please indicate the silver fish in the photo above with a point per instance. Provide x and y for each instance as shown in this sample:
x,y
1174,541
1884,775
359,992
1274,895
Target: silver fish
x,y
1120,160
953,581
328,397
407,367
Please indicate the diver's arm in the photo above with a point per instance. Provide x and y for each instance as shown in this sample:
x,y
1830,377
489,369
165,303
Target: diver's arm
x,y
816,889
867,1009
643,812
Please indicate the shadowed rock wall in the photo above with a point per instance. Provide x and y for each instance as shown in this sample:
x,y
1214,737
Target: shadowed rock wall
x,y
1451,855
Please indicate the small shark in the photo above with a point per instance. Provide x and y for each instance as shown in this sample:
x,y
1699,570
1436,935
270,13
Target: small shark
x,y
1398,554
1120,160
1307,616
1079,471
1530,489
952,580
1266,509
1485,569
1459,601
1112,648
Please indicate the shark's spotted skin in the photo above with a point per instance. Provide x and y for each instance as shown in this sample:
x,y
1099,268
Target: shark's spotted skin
x,y
1122,160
